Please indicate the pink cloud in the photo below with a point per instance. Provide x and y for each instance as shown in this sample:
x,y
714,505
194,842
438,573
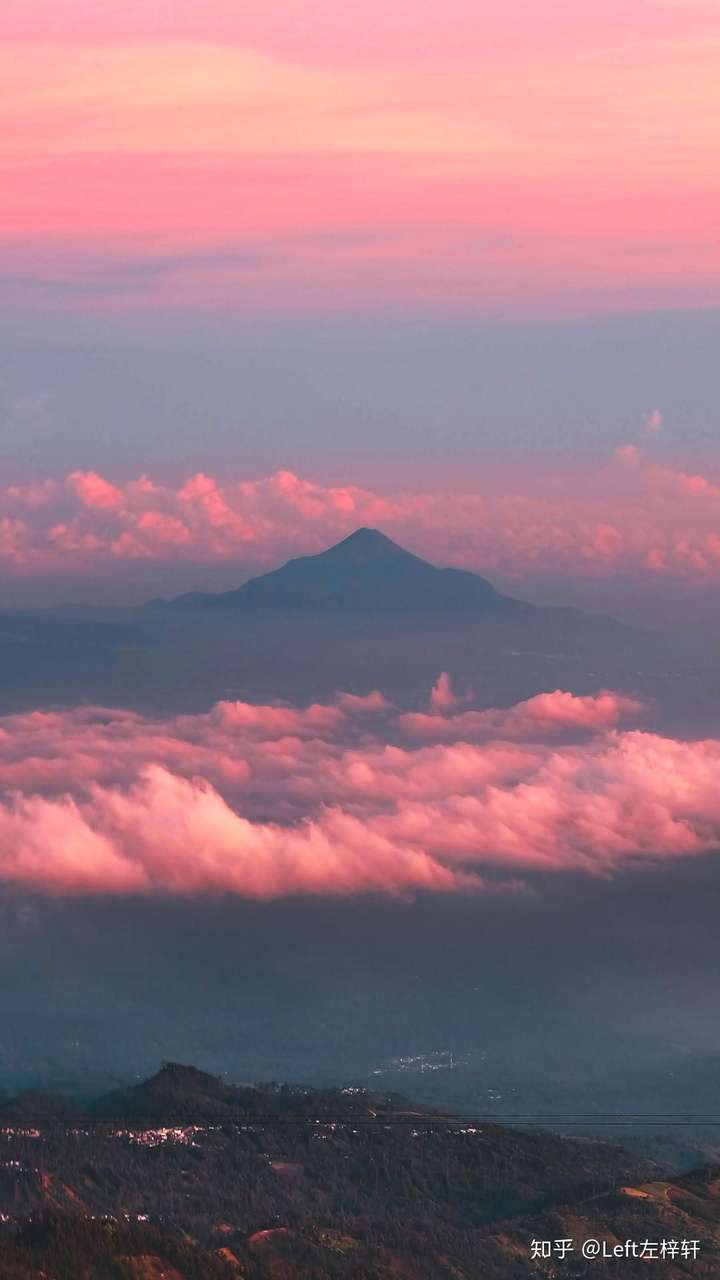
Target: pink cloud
x,y
95,493
539,717
279,722
265,801
631,515
442,695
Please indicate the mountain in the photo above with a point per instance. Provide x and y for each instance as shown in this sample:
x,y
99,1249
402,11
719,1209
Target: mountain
x,y
176,1091
366,572
365,614
184,1092
395,1195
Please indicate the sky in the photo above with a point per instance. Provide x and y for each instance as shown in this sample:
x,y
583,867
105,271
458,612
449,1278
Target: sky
x,y
405,250
501,159
275,270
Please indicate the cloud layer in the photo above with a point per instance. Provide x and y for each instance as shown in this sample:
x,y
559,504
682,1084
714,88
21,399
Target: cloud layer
x,y
347,798
631,515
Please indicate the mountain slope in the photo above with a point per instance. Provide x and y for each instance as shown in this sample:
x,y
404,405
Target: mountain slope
x,y
363,615
178,1091
366,572
396,1196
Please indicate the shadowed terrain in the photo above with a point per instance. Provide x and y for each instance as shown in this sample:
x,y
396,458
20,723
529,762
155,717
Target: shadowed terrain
x,y
195,1177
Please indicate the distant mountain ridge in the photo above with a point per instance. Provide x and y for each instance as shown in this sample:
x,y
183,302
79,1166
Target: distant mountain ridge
x,y
367,572
364,614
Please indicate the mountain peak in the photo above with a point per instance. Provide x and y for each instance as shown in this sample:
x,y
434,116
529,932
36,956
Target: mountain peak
x,y
367,571
366,546
367,537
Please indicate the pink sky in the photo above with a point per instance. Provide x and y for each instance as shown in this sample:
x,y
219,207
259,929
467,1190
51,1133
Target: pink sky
x,y
500,157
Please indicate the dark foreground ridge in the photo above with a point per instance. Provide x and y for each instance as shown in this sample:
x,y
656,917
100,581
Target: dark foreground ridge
x,y
408,1197
180,1092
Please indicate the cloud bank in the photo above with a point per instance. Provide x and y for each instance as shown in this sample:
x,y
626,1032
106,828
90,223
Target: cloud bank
x,y
631,516
345,798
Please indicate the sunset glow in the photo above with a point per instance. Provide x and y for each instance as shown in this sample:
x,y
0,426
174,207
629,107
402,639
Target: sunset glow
x,y
488,159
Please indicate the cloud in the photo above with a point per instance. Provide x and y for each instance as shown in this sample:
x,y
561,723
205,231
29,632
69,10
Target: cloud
x,y
180,836
364,704
344,798
94,493
442,695
631,515
540,717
